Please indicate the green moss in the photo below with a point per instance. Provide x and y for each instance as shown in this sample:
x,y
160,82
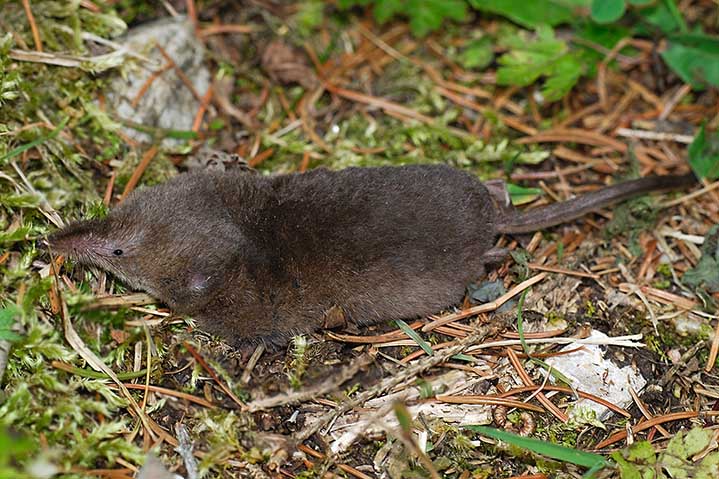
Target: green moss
x,y
158,171
655,345
669,337
554,318
221,432
359,141
562,434
631,218
590,309
309,16
308,474
297,361
81,420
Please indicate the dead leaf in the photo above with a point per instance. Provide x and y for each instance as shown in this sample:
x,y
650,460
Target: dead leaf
x,y
285,64
119,335
334,318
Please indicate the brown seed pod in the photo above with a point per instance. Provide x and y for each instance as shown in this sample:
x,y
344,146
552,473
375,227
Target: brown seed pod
x,y
527,426
499,415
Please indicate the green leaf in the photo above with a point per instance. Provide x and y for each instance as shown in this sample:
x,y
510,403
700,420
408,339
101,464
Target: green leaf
x,y
345,4
415,337
7,321
671,6
522,258
427,15
534,13
636,461
606,35
563,76
521,195
642,451
709,467
386,9
464,357
660,16
545,55
608,11
478,54
695,58
528,58
677,459
627,470
487,290
697,440
555,451
424,15
426,391
704,155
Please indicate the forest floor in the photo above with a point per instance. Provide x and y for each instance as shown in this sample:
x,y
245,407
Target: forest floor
x,y
307,85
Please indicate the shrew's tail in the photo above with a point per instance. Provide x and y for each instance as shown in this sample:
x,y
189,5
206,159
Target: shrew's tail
x,y
554,214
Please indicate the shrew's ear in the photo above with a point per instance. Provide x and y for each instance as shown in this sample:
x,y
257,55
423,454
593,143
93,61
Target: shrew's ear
x,y
198,282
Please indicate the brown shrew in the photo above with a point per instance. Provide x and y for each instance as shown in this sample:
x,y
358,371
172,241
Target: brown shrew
x,y
262,258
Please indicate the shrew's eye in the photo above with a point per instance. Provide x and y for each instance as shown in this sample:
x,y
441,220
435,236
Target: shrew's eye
x,y
117,252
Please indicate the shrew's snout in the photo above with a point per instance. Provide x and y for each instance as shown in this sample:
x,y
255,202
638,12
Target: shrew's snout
x,y
72,239
59,242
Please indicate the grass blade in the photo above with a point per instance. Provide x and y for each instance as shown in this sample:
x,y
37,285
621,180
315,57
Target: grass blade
x,y
415,337
555,451
35,142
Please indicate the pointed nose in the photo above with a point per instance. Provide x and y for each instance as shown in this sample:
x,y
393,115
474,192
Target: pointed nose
x,y
76,239
60,242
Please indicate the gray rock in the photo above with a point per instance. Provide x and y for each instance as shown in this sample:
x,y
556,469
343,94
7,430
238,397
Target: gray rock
x,y
168,103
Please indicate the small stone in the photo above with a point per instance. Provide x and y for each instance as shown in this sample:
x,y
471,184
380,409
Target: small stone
x,y
167,103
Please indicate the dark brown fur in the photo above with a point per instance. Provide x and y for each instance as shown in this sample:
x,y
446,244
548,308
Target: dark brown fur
x,y
263,258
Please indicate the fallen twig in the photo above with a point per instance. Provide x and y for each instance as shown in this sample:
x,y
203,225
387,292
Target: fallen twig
x,y
654,135
213,374
306,394
514,359
139,170
487,307
647,425
33,25
402,376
